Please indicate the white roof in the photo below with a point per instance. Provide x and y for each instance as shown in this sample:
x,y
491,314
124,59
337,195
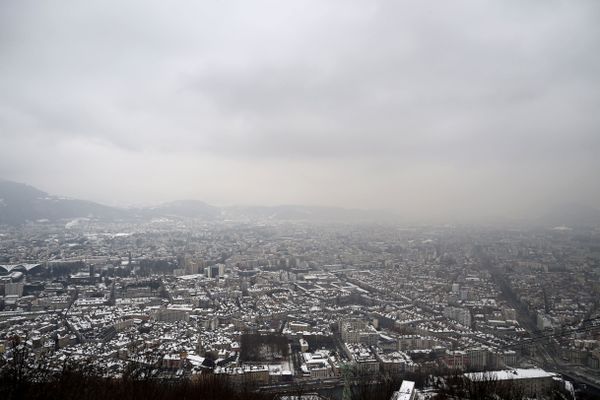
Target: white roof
x,y
518,373
406,390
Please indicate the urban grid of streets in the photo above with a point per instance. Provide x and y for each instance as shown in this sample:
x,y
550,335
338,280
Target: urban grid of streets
x,y
186,297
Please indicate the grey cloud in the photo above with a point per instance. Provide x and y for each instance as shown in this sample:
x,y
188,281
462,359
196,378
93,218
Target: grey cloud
x,y
385,93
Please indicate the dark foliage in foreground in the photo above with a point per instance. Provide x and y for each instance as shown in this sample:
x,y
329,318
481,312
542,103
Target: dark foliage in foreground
x,y
80,386
84,381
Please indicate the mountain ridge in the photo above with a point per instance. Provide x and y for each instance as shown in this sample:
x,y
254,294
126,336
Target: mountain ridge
x,y
20,203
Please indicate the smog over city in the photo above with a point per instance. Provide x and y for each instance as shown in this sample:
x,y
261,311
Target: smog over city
x,y
300,200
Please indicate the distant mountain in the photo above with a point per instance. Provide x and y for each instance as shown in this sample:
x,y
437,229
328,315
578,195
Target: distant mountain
x,y
304,213
20,203
183,208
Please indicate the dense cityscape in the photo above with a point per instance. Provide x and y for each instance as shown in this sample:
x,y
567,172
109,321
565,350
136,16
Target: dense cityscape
x,y
300,200
276,305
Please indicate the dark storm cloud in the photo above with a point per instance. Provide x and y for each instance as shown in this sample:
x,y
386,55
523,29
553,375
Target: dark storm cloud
x,y
438,106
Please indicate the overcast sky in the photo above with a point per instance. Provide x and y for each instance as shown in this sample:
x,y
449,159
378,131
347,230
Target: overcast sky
x,y
427,107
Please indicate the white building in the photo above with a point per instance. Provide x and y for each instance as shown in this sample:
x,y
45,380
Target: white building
x,y
406,392
533,381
